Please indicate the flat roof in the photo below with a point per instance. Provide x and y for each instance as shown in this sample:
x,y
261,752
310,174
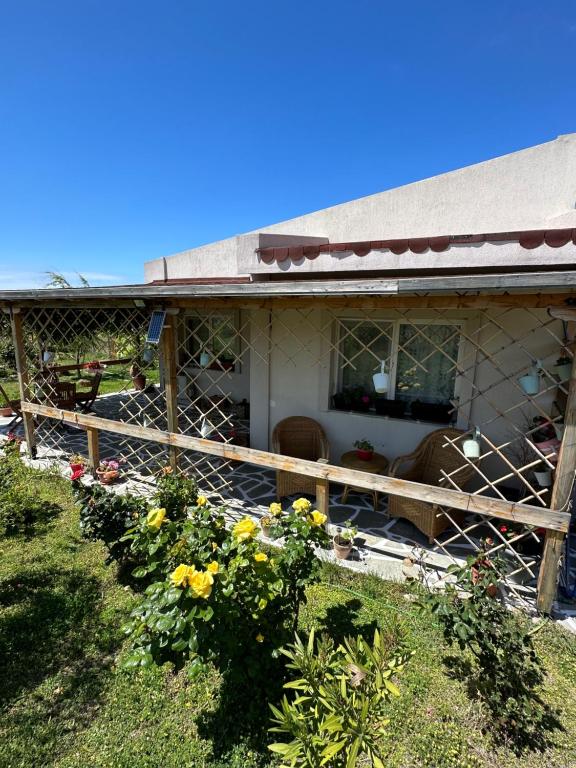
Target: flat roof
x,y
528,282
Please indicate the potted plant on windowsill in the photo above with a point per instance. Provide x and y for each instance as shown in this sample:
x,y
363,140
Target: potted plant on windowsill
x,y
439,413
343,540
364,449
393,408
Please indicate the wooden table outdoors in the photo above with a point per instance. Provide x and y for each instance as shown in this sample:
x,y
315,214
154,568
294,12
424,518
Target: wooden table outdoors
x,y
378,465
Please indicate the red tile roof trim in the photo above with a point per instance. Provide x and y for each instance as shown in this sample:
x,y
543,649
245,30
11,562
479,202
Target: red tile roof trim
x,y
528,239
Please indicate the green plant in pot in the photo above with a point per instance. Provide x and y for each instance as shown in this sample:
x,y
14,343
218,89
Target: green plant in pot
x,y
563,367
343,541
364,449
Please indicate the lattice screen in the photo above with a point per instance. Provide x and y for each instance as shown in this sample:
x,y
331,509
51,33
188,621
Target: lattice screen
x,y
473,362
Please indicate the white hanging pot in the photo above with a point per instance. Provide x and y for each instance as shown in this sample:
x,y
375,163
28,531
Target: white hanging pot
x,y
205,358
47,356
544,478
471,447
381,380
530,382
148,355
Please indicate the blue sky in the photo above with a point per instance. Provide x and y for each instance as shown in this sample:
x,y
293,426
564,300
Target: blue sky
x,y
133,129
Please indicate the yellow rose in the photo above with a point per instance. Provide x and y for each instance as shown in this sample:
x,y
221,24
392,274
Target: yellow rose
x,y
259,637
180,576
302,506
245,529
155,518
260,557
213,567
275,509
317,518
200,582
201,501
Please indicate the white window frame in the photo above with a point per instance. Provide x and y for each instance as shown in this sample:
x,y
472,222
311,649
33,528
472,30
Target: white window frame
x,y
335,379
234,317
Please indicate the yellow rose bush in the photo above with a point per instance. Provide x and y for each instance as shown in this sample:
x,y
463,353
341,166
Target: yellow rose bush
x,y
214,594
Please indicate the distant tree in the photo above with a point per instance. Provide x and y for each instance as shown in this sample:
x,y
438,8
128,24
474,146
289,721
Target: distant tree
x,y
57,280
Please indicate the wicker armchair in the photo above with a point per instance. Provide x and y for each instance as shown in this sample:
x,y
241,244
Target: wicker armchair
x,y
301,438
428,461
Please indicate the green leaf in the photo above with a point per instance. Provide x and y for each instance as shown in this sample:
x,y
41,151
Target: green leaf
x,y
392,688
331,750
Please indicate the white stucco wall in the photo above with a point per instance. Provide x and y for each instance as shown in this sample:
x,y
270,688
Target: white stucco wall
x,y
298,383
534,188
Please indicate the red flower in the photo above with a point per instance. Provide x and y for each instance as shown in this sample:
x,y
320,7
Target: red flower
x,y
503,529
77,474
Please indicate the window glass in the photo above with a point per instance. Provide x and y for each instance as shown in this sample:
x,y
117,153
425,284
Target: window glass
x,y
363,344
426,364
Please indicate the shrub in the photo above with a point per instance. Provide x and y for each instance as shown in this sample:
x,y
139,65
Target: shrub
x,y
106,517
219,597
507,672
337,715
175,493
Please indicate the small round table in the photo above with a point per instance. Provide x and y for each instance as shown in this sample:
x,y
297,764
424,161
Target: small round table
x,y
378,465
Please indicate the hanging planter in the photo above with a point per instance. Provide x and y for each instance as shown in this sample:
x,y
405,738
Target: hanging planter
x,y
530,382
205,359
381,380
471,447
543,475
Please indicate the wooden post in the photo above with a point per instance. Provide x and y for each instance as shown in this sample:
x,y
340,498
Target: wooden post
x,y
168,351
93,448
23,379
561,492
323,493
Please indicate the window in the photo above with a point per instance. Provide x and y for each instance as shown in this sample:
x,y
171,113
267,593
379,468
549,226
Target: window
x,y
421,360
212,342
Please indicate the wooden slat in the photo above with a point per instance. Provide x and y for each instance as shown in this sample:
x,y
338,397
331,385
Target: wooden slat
x,y
93,448
482,505
561,492
23,379
168,353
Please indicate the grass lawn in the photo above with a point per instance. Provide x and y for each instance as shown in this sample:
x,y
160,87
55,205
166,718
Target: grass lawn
x,y
63,701
115,379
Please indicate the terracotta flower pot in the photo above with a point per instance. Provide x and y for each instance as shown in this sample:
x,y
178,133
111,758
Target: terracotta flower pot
x,y
107,476
364,455
5,412
342,547
139,381
477,568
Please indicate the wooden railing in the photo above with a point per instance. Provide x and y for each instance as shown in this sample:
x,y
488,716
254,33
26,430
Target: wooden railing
x,y
555,522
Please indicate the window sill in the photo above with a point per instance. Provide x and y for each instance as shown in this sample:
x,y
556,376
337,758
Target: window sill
x,y
401,419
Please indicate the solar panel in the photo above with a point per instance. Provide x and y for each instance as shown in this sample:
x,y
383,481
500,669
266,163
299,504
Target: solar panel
x,y
156,326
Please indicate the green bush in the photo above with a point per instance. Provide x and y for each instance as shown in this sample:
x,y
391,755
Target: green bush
x,y
508,673
175,493
106,516
337,714
218,596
